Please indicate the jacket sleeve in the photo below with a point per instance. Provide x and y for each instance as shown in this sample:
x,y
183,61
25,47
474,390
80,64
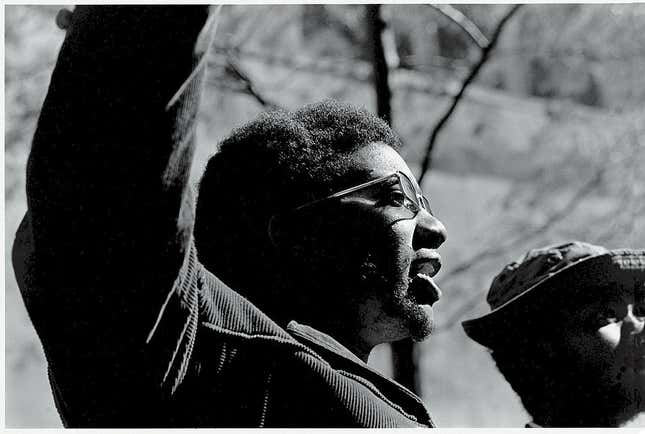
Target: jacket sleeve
x,y
109,210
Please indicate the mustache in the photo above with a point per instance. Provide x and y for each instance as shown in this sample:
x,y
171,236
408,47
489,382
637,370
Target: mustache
x,y
639,344
376,263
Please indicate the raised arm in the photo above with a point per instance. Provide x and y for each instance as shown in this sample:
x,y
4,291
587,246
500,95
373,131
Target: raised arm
x,y
109,212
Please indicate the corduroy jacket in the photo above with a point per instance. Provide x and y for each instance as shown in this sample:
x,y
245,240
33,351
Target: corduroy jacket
x,y
136,332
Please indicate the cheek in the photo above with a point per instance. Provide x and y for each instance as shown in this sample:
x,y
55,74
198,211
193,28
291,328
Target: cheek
x,y
393,242
609,336
401,235
594,347
401,245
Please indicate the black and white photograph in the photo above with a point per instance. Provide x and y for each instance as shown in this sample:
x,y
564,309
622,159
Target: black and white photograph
x,y
316,215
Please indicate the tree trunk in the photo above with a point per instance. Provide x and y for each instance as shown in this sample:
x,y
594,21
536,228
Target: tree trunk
x,y
383,55
405,365
376,28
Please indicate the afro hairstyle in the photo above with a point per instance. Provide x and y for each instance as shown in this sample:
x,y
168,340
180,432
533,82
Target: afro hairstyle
x,y
270,165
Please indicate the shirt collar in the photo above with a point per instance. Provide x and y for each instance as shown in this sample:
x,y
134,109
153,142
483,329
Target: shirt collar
x,y
321,342
318,339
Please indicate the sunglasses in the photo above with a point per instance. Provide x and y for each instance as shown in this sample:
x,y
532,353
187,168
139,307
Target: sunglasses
x,y
404,200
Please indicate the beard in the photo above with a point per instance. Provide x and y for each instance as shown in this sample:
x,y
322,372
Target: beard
x,y
624,390
386,280
613,403
620,382
357,275
598,394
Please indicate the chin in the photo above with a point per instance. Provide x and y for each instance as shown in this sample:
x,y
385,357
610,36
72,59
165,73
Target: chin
x,y
405,318
407,321
420,323
415,320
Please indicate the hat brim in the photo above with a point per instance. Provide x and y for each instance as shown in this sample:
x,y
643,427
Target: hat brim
x,y
502,323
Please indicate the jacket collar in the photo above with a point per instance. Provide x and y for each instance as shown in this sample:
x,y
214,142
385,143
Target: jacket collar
x,y
320,340
331,350
230,313
225,310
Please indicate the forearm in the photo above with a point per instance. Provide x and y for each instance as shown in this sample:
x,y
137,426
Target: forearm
x,y
109,213
105,134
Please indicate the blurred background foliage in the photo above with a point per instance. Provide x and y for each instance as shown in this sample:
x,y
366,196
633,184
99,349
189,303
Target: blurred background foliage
x,y
546,146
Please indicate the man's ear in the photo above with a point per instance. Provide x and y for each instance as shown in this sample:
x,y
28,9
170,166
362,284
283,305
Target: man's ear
x,y
274,230
285,236
280,230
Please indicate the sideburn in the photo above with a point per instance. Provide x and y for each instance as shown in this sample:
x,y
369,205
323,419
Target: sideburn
x,y
326,264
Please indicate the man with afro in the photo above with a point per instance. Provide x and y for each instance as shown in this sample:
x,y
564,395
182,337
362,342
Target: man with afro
x,y
566,331
310,244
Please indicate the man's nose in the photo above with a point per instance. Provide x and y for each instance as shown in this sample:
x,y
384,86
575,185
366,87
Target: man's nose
x,y
633,324
429,233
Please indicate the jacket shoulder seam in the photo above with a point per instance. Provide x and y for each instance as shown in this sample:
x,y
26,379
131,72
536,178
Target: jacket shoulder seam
x,y
374,390
269,338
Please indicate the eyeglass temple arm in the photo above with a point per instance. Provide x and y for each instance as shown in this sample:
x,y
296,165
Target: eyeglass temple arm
x,y
346,191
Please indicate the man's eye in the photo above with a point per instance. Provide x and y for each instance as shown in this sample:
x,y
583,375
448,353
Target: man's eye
x,y
396,198
639,310
603,317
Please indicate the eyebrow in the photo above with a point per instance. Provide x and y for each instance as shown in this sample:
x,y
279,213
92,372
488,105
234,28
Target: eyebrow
x,y
391,181
639,291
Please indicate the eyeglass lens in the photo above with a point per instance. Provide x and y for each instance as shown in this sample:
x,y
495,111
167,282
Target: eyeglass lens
x,y
414,196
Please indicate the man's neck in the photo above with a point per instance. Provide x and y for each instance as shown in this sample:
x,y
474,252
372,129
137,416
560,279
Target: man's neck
x,y
353,343
361,350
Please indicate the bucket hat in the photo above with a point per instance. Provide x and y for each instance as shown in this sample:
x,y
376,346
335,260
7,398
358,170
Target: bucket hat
x,y
546,278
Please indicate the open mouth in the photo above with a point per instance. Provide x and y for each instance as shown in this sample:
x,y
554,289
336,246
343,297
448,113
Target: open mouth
x,y
637,353
421,286
639,361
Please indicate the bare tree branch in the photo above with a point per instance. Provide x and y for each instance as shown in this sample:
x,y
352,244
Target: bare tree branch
x,y
465,23
494,252
248,28
554,218
337,22
458,97
345,67
358,71
437,62
234,69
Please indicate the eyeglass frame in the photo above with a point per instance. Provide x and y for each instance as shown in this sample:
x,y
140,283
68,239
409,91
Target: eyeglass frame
x,y
420,203
421,200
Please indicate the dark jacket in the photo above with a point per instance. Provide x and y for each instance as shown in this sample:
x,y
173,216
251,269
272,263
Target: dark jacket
x,y
137,333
